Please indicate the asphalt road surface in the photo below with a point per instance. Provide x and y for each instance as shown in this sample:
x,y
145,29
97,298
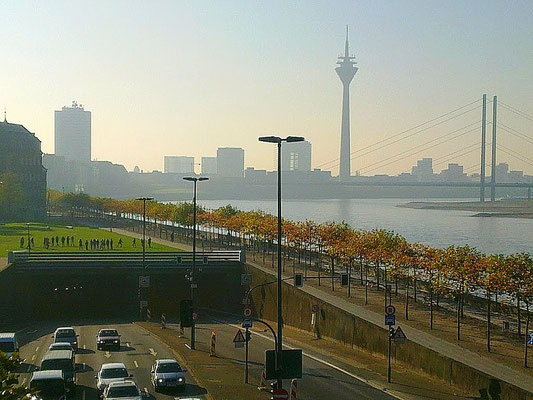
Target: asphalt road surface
x,y
138,352
322,380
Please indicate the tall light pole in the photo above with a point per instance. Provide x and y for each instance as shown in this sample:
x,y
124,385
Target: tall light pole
x,y
29,243
195,181
278,141
143,199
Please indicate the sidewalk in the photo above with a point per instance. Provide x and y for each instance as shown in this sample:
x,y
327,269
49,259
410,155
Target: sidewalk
x,y
451,350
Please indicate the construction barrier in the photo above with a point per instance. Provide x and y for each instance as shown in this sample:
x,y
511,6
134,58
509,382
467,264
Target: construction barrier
x,y
212,352
148,315
163,321
263,385
182,332
294,388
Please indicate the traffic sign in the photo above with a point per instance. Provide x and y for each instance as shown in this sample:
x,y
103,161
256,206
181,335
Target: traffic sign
x,y
280,394
390,310
247,323
143,303
144,281
194,316
530,341
315,308
399,336
246,279
246,301
390,320
194,286
247,312
239,339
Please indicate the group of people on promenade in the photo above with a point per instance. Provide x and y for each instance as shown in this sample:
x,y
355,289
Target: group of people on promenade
x,y
88,244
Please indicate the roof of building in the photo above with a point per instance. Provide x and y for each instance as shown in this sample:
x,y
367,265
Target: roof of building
x,y
7,128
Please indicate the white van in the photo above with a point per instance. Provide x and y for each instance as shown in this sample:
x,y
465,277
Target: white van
x,y
9,343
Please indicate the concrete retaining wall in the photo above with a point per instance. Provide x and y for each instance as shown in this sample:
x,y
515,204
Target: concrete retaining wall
x,y
358,333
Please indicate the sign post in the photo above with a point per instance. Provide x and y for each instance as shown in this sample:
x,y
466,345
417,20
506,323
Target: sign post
x,y
390,321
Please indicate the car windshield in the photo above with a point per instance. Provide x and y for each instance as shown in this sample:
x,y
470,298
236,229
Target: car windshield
x,y
122,391
65,333
61,346
108,332
164,368
48,387
110,373
7,347
59,364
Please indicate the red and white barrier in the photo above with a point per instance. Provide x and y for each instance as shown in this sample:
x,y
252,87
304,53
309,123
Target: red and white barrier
x,y
148,315
163,321
294,388
212,348
263,378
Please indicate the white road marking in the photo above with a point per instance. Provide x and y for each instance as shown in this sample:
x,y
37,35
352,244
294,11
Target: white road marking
x,y
128,344
23,381
84,347
369,383
107,354
187,345
152,352
33,357
37,349
136,365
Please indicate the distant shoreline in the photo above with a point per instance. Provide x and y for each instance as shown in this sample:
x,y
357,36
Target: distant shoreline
x,y
501,208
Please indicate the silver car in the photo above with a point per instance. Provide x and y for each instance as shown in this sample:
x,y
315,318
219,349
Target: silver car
x,y
110,373
167,373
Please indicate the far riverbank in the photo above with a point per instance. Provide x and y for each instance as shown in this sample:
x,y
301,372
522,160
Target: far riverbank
x,y
500,208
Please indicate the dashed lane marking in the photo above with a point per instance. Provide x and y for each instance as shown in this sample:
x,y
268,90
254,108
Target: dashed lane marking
x,y
136,365
33,357
37,349
84,347
83,395
23,381
128,344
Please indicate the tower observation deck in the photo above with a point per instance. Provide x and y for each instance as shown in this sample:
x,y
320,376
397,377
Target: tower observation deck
x,y
346,71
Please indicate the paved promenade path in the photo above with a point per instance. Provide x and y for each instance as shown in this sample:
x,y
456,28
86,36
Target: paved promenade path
x,y
451,350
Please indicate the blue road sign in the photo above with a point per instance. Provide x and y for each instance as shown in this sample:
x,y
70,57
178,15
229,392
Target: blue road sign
x,y
530,341
390,320
247,323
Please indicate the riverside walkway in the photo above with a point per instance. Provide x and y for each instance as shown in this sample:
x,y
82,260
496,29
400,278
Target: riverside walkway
x,y
450,350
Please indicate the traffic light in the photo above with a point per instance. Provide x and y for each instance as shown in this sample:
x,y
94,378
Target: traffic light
x,y
298,280
186,313
344,280
248,335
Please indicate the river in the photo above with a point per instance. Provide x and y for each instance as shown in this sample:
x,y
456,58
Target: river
x,y
439,228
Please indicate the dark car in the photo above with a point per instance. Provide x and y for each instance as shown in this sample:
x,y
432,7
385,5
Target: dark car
x,y
107,338
49,385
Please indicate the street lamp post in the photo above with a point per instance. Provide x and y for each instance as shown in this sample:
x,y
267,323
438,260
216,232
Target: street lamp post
x,y
278,140
194,180
29,243
143,199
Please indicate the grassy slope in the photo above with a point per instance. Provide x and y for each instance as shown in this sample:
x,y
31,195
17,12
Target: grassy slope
x,y
10,235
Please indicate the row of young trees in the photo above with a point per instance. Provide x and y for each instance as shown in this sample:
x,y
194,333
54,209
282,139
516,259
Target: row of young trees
x,y
379,257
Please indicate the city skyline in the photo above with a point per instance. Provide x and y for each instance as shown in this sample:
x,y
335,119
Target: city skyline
x,y
266,81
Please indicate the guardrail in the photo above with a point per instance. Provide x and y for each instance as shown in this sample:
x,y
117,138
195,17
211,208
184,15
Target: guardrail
x,y
22,257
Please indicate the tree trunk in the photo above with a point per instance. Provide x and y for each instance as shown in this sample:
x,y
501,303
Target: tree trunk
x,y
366,284
527,334
431,305
488,321
361,270
319,266
414,288
459,298
332,274
407,298
518,316
349,280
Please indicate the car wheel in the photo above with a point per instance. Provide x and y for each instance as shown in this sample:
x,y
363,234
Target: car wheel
x,y
156,388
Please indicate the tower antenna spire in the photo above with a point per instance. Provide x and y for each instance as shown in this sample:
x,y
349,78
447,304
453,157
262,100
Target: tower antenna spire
x,y
346,46
5,114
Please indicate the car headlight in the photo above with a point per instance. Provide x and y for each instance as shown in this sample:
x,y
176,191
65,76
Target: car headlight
x,y
180,379
116,341
160,380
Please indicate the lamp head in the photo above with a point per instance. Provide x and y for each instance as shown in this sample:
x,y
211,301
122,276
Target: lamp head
x,y
270,139
189,178
292,139
203,178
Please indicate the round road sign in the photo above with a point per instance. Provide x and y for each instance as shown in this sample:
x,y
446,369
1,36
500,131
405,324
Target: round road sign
x,y
390,310
195,316
315,308
247,312
280,394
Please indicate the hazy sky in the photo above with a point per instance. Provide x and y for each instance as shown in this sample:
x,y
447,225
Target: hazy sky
x,y
185,77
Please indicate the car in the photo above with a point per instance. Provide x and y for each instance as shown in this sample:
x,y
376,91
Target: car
x,y
9,343
125,390
66,335
60,346
109,373
50,385
107,338
167,373
64,361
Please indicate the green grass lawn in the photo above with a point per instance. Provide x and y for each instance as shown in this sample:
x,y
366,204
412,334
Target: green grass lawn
x,y
10,235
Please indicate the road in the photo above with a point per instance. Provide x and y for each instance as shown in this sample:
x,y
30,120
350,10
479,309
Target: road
x,y
320,381
138,352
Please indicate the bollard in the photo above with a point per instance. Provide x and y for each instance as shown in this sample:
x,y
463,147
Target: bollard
x,y
294,388
182,332
213,344
163,321
148,315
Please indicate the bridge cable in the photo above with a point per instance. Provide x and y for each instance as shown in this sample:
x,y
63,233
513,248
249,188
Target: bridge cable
x,y
413,128
516,133
516,111
518,156
460,155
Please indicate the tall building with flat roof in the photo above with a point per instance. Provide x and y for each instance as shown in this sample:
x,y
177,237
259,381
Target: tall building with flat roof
x,y
230,162
179,165
296,156
209,165
73,133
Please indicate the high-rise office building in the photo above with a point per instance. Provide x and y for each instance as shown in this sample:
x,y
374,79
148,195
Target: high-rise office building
x,y
296,156
346,71
209,165
179,165
230,162
73,133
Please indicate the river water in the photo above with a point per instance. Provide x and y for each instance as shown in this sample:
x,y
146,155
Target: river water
x,y
439,228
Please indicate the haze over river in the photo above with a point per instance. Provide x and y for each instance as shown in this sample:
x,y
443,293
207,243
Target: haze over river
x,y
439,228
